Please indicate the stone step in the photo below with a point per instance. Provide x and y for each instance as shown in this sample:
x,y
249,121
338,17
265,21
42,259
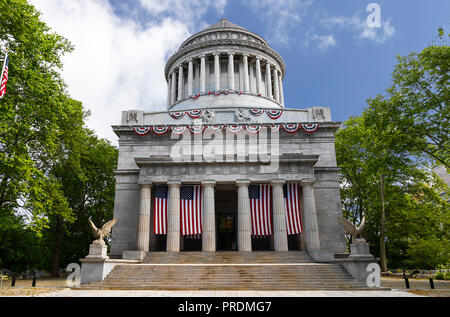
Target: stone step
x,y
228,257
228,271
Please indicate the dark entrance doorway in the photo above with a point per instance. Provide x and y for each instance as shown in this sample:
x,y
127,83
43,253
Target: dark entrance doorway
x,y
226,231
226,218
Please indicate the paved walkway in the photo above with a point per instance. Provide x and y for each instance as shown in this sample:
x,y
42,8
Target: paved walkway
x,y
111,293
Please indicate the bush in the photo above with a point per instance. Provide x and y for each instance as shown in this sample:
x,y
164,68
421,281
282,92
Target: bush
x,y
429,253
444,272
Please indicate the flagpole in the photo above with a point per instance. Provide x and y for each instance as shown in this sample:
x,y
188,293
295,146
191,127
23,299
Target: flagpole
x,y
4,64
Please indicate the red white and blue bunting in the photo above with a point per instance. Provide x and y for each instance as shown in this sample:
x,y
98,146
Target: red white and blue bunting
x,y
160,130
215,128
291,128
253,129
178,130
235,128
195,114
275,128
310,128
142,131
274,114
177,115
256,112
196,129
195,96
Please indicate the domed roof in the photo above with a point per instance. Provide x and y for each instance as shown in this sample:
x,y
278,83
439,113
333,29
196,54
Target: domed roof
x,y
224,26
224,23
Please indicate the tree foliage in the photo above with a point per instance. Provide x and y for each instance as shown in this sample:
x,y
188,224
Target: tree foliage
x,y
54,172
386,156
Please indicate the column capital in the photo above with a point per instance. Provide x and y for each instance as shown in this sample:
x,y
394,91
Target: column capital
x,y
145,185
216,54
174,184
190,59
242,182
308,182
231,53
278,182
245,55
202,56
209,183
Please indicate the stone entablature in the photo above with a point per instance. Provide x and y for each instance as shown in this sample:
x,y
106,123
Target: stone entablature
x,y
225,115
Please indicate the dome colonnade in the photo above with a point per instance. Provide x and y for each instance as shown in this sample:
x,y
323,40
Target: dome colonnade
x,y
225,58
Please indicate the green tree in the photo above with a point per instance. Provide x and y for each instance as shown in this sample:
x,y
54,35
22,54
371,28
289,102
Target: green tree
x,y
54,172
34,114
385,156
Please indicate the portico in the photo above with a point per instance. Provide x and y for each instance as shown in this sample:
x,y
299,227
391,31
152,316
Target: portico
x,y
242,221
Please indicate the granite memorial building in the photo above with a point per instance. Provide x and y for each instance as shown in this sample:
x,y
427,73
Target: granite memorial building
x,y
225,86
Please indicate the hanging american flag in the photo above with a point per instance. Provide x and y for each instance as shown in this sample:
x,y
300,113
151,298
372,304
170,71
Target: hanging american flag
x,y
160,210
191,210
260,209
4,76
291,193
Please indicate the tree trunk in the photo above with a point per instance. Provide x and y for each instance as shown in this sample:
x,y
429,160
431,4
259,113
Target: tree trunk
x,y
382,229
57,246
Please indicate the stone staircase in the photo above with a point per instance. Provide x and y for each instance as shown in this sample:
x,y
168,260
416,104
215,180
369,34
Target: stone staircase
x,y
269,271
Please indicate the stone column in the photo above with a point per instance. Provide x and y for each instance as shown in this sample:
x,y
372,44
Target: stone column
x,y
244,220
279,217
190,76
268,81
180,83
280,78
169,79
143,234
231,71
202,74
216,71
173,217
246,78
275,84
173,88
258,76
209,217
310,226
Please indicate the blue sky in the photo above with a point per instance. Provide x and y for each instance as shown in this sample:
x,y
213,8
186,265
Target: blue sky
x,y
332,58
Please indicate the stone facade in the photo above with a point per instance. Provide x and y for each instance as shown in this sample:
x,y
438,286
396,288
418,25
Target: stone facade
x,y
248,74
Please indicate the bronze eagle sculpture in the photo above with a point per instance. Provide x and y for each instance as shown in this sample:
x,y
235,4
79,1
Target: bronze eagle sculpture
x,y
105,231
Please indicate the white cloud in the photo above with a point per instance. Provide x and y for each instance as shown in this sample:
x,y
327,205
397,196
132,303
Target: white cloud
x,y
362,31
188,11
324,42
117,64
281,16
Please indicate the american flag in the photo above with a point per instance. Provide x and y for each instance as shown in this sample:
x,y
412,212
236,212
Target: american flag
x,y
191,210
4,76
160,210
260,209
291,193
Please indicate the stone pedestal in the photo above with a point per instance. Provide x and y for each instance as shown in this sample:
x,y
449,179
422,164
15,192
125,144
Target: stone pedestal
x,y
97,251
360,249
134,255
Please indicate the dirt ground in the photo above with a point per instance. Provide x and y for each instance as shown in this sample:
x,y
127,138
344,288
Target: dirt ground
x,y
417,286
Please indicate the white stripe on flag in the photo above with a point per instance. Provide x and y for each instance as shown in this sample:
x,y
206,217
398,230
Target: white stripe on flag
x,y
191,213
292,207
260,211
